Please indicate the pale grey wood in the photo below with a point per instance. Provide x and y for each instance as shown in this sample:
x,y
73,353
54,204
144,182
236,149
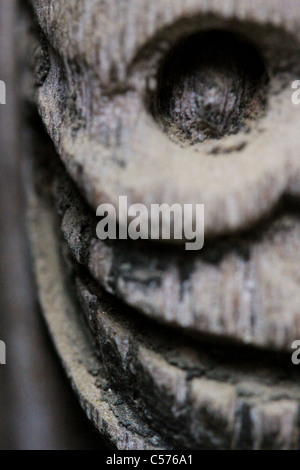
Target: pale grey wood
x,y
104,59
153,388
97,62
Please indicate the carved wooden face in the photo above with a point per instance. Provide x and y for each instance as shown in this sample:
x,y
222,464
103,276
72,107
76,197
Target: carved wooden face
x,y
173,101
185,102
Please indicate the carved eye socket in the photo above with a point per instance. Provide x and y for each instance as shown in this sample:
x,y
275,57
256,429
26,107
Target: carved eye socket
x,y
209,85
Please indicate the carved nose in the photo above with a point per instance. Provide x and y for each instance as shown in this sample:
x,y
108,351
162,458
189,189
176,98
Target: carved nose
x,y
209,86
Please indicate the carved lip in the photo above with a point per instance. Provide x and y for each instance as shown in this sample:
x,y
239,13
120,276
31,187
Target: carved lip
x,y
237,289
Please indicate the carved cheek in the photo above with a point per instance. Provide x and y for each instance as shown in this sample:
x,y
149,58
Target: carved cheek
x,y
224,132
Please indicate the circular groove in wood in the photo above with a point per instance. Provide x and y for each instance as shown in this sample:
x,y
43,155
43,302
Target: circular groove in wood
x,y
209,86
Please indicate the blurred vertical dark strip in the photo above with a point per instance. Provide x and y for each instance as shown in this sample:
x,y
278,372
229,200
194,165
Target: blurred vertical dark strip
x,y
37,407
9,173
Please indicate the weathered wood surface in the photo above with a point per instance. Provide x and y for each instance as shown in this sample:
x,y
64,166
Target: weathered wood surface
x,y
233,289
133,109
94,73
106,409
149,388
195,396
100,72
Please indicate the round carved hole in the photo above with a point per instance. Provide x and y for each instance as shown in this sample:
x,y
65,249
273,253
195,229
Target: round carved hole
x,y
210,85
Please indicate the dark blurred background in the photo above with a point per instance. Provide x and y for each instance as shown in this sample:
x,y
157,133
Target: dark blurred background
x,y
38,410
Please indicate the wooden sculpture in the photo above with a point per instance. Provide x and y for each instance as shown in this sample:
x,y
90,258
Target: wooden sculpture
x,y
171,101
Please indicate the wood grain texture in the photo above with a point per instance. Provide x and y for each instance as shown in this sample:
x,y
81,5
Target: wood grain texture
x,y
104,99
232,289
102,69
150,388
121,426
172,102
194,396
